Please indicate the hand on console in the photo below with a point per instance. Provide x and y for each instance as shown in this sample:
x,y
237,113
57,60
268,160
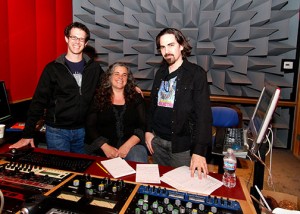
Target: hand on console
x,y
23,142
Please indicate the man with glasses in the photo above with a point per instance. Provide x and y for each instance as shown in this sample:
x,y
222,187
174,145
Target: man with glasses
x,y
180,119
63,95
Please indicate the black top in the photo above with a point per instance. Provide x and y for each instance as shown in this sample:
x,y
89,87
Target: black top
x,y
117,123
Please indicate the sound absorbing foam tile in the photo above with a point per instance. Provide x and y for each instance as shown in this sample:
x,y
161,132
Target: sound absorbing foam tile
x,y
261,47
218,78
99,17
240,64
88,6
204,61
277,48
114,32
142,61
205,48
132,4
129,33
177,6
218,62
225,13
131,60
258,63
101,4
278,80
143,32
236,78
259,32
154,60
282,32
116,19
147,6
263,14
191,12
86,18
205,16
238,17
239,48
205,32
102,33
145,84
241,5
234,89
219,32
146,74
207,5
277,15
257,79
129,19
128,46
174,20
146,18
242,32
279,4
221,46
143,47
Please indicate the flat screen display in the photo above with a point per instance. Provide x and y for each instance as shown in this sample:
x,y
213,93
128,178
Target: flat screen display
x,y
263,112
5,113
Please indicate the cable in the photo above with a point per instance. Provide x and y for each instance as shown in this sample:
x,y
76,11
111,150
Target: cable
x,y
1,201
270,179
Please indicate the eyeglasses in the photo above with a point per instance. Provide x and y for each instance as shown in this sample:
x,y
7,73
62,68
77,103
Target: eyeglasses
x,y
75,38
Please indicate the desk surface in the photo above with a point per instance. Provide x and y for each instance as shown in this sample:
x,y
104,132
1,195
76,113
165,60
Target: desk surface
x,y
239,193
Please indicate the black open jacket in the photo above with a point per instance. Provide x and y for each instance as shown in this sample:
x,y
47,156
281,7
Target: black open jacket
x,y
191,118
57,92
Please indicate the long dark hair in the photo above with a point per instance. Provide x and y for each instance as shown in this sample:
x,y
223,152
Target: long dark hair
x,y
104,93
180,38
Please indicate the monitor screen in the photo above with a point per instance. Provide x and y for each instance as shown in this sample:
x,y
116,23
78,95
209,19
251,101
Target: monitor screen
x,y
5,113
263,112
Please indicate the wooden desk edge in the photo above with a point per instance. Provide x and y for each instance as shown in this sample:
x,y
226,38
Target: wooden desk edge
x,y
246,205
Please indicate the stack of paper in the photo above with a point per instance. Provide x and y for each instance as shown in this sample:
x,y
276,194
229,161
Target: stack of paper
x,y
118,167
180,178
147,173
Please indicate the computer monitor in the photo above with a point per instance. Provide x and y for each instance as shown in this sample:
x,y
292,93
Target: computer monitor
x,y
5,112
262,114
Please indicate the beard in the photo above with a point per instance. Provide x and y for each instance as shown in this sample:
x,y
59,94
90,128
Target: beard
x,y
169,59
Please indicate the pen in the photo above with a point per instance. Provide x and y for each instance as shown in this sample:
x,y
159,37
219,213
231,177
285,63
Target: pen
x,y
103,168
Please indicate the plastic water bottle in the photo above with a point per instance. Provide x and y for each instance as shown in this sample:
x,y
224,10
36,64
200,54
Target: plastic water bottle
x,y
229,178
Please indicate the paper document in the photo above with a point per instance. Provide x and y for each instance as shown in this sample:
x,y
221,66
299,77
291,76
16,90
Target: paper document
x,y
147,173
180,178
118,167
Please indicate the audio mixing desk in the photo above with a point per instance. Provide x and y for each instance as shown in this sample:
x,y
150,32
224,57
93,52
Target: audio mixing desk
x,y
30,187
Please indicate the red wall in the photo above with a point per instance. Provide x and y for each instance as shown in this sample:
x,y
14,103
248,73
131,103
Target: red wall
x,y
32,36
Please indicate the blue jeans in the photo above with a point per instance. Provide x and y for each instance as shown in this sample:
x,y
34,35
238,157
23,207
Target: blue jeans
x,y
65,140
137,153
163,154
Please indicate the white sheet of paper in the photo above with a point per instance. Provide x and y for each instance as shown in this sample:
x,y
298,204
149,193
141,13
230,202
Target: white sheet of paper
x,y
118,167
147,173
180,178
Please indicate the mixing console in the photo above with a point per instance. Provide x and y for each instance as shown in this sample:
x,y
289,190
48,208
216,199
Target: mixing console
x,y
86,194
67,163
157,200
19,182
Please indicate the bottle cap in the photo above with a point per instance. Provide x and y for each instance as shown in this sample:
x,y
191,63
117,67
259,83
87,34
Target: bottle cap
x,y
230,150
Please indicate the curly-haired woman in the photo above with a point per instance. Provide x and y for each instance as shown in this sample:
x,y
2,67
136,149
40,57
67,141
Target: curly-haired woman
x,y
116,122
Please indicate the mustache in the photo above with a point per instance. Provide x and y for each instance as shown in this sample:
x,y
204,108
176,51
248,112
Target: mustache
x,y
166,55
